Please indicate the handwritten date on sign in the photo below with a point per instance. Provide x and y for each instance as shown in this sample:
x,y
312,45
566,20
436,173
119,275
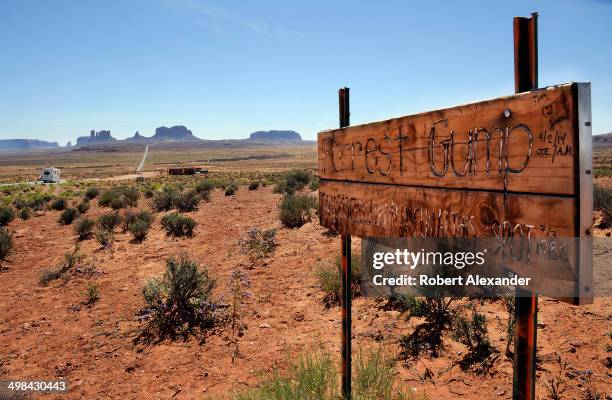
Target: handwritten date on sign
x,y
522,143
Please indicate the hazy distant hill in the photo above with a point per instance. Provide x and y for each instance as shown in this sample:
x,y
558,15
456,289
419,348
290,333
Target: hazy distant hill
x,y
25,144
95,138
275,136
175,133
604,140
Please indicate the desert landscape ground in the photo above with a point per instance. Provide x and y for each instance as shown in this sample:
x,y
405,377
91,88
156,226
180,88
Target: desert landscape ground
x,y
73,307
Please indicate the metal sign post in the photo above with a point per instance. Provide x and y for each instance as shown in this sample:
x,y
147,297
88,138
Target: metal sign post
x,y
526,304
346,292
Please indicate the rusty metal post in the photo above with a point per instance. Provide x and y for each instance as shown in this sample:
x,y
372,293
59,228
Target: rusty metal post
x,y
526,304
343,97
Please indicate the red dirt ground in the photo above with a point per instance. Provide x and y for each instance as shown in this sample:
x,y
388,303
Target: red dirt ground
x,y
47,333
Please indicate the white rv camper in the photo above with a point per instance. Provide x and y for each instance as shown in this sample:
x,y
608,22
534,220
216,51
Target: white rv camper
x,y
50,175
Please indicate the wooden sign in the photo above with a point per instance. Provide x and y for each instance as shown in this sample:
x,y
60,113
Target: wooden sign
x,y
517,165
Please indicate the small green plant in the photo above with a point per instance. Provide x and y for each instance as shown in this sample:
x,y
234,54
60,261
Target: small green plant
x,y
253,185
313,376
296,210
7,214
59,204
109,221
509,302
176,224
68,216
91,193
238,284
556,385
6,243
25,213
180,302
257,244
84,228
69,264
330,280
92,293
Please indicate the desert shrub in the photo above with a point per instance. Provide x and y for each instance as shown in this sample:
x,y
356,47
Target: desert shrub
x,y
25,213
92,293
414,306
131,195
83,206
284,188
314,183
7,214
127,217
187,201
163,201
313,376
204,187
146,217
602,201
258,244
148,193
181,301
253,185
68,216
427,337
59,204
602,172
38,201
231,189
329,278
84,228
472,332
296,210
20,203
69,264
120,197
91,193
105,237
109,221
139,228
310,376
6,243
107,197
119,202
291,182
176,224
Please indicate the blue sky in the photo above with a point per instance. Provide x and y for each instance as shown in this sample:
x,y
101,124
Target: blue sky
x,y
227,68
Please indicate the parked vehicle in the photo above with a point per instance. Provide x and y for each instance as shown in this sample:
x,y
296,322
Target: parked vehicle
x,y
50,175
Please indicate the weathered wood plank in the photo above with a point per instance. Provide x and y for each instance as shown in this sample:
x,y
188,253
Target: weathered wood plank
x,y
521,143
378,210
